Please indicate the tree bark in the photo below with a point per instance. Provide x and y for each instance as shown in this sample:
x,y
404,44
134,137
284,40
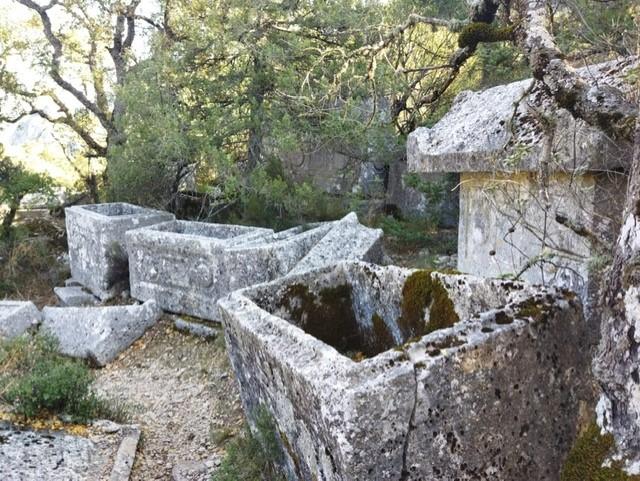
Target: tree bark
x,y
618,362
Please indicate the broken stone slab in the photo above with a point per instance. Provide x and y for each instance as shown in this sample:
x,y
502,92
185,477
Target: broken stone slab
x,y
97,252
359,389
347,240
16,317
75,296
98,333
126,454
37,455
188,266
200,328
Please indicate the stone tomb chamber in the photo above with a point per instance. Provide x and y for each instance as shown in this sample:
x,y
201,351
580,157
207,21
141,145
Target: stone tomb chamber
x,y
519,213
385,373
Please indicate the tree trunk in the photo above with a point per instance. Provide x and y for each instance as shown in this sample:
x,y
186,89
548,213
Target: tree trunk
x,y
9,217
618,362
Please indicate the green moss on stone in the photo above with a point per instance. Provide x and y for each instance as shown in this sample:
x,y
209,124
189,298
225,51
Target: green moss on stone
x,y
329,316
584,462
531,308
381,339
478,32
422,292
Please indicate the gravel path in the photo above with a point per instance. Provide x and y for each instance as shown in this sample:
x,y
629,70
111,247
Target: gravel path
x,y
181,391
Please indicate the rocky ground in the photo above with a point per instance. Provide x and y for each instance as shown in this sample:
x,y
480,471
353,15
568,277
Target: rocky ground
x,y
181,391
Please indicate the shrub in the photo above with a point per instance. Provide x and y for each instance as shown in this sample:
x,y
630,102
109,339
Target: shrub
x,y
270,200
37,381
30,266
253,456
55,386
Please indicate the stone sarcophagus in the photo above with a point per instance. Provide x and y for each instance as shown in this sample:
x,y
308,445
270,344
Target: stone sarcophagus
x,y
97,252
384,373
187,266
179,264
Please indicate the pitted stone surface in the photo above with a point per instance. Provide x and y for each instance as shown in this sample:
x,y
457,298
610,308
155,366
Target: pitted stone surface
x,y
471,401
188,266
98,333
493,130
75,296
27,455
16,317
97,253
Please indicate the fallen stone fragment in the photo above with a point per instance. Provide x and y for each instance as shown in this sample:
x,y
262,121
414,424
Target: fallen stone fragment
x,y
200,329
98,333
195,470
126,454
385,373
97,252
16,317
75,296
347,240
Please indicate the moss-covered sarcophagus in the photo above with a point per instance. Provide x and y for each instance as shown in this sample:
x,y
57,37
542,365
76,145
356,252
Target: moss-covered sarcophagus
x,y
384,373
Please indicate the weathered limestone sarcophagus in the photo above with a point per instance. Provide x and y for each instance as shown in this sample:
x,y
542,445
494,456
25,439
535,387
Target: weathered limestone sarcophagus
x,y
384,373
187,266
97,253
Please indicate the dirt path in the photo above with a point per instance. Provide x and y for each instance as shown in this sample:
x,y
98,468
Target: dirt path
x,y
180,389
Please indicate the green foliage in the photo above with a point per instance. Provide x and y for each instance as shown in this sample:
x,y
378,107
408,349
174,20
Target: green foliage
x,y
227,92
15,183
254,455
499,63
38,381
270,200
589,452
160,147
412,233
605,29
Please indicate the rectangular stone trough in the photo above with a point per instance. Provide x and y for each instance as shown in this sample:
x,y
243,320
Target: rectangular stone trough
x,y
385,373
97,253
187,266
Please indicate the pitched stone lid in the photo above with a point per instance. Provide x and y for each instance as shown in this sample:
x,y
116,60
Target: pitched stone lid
x,y
496,130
